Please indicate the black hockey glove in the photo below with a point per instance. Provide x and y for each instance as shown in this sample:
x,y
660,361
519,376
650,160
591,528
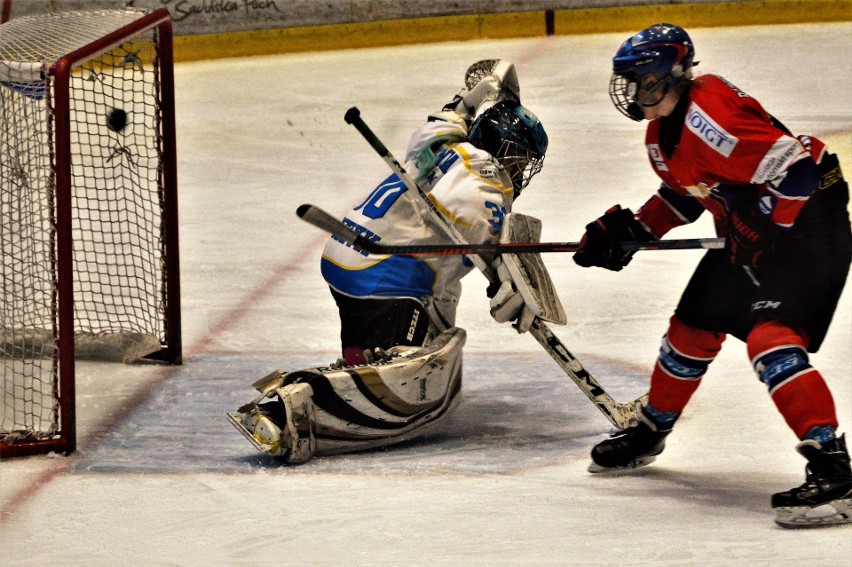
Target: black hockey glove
x,y
600,245
750,235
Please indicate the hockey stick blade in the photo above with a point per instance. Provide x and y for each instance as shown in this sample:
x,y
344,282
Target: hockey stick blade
x,y
323,220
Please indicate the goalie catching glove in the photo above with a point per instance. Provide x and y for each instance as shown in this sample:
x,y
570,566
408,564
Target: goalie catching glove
x,y
523,290
487,82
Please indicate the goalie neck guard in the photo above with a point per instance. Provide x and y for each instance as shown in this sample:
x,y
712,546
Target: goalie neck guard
x,y
515,137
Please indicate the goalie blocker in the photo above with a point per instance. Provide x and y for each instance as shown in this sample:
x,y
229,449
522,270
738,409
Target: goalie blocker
x,y
523,290
326,411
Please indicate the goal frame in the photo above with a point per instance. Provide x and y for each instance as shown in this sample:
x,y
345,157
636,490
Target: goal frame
x,y
65,440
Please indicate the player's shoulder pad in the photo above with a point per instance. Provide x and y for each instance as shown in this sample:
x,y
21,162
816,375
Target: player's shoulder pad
x,y
482,164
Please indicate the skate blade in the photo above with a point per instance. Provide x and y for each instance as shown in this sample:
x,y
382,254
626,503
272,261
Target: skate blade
x,y
236,419
635,464
835,513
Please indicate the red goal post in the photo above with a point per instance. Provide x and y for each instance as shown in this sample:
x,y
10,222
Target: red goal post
x,y
88,197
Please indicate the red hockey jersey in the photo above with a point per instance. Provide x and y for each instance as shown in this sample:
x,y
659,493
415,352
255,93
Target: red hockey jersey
x,y
729,145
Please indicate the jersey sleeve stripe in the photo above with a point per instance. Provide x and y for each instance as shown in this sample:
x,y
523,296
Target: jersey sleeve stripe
x,y
778,159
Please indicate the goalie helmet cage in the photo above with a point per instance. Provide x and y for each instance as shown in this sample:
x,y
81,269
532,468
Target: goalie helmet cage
x,y
88,196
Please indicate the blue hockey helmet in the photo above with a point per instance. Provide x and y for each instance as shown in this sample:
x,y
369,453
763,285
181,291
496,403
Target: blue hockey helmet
x,y
515,137
648,65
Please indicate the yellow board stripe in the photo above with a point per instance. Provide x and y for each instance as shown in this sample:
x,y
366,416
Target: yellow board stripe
x,y
704,15
508,25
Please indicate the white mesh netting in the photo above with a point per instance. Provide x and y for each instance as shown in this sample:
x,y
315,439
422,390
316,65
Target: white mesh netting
x,y
116,191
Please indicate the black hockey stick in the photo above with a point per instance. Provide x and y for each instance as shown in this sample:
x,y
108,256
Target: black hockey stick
x,y
621,415
321,219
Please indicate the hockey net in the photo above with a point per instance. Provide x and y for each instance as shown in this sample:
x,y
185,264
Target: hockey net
x,y
88,206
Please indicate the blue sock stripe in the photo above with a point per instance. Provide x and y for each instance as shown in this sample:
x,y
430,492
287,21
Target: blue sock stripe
x,y
682,366
777,366
822,434
663,419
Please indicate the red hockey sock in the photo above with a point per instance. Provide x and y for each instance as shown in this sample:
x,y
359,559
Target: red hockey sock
x,y
806,402
798,390
685,354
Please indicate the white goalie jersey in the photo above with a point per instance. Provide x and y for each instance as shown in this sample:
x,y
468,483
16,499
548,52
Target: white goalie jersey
x,y
469,188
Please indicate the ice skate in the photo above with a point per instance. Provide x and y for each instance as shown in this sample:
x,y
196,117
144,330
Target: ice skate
x,y
260,429
825,498
281,427
630,449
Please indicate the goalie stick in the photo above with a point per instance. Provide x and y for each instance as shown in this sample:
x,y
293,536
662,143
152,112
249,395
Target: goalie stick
x,y
321,219
621,415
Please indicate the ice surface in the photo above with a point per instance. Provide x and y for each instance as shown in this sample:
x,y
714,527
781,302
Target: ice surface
x,y
161,478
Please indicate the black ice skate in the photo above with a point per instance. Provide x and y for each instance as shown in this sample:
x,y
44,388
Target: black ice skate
x,y
825,499
632,448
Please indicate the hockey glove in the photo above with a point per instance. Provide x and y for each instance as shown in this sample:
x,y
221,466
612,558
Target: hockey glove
x,y
600,245
494,84
507,302
750,235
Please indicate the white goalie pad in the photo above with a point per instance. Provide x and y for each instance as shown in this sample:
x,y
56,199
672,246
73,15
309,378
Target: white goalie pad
x,y
326,411
528,272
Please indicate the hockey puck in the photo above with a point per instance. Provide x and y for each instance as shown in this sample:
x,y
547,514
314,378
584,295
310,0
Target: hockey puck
x,y
116,120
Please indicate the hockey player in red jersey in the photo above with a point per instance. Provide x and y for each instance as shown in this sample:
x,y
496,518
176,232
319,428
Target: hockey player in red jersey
x,y
780,201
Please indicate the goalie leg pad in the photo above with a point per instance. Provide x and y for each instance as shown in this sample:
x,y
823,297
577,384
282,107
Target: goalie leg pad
x,y
353,408
391,401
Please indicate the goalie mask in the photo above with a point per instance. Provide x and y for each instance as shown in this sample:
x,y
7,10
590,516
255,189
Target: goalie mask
x,y
648,66
515,137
